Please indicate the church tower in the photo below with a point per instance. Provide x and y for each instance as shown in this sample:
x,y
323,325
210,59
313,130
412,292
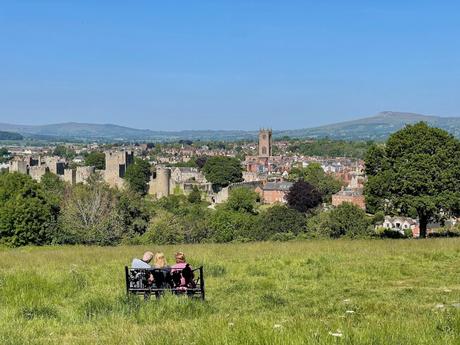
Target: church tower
x,y
265,142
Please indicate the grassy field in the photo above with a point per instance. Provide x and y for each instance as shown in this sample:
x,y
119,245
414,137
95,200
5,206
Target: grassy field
x,y
304,292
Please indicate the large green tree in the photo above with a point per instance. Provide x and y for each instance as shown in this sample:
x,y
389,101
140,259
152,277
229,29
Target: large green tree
x,y
96,159
27,214
303,196
315,175
138,175
222,171
417,173
242,200
279,219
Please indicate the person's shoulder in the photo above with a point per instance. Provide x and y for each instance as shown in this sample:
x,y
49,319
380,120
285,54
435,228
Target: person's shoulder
x,y
137,263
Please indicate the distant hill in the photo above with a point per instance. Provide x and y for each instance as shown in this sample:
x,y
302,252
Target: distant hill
x,y
376,127
10,136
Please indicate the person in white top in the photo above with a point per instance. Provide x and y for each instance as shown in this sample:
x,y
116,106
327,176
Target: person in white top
x,y
144,263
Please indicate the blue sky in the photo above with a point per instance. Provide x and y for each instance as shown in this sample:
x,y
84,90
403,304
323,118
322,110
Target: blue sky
x,y
169,65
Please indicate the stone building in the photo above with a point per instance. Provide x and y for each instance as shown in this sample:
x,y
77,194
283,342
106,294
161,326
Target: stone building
x,y
265,143
353,194
178,180
56,165
274,192
116,163
37,171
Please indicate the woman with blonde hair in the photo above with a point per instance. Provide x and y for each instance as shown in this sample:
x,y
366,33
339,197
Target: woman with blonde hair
x,y
159,261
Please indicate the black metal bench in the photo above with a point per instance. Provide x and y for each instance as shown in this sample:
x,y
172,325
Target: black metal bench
x,y
154,281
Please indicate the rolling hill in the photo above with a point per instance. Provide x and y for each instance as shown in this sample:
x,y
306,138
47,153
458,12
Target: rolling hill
x,y
377,127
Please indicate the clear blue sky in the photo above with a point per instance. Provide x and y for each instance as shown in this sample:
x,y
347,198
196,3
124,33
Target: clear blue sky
x,y
168,65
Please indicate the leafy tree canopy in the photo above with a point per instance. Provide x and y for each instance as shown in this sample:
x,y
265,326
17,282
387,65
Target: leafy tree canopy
x,y
315,175
96,159
303,196
222,171
242,200
138,175
280,219
27,214
417,173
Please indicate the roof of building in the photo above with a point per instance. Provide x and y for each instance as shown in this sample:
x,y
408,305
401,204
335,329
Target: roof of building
x,y
282,186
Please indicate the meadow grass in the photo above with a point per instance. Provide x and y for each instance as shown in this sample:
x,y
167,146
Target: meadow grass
x,y
302,292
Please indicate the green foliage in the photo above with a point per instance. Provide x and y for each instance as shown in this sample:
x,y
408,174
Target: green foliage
x,y
187,225
138,176
166,228
90,215
280,219
345,220
226,225
64,151
134,213
4,155
222,171
330,148
348,220
195,196
315,175
96,159
417,172
242,200
53,186
303,196
27,214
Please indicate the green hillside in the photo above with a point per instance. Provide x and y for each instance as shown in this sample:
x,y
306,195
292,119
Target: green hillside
x,y
306,292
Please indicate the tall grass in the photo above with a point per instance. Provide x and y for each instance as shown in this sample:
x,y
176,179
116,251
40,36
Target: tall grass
x,y
304,292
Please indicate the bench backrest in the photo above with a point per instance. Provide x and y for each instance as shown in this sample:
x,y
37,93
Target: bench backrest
x,y
139,279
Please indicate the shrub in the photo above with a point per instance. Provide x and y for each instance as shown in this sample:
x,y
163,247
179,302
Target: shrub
x,y
28,214
90,215
303,196
283,236
226,226
280,219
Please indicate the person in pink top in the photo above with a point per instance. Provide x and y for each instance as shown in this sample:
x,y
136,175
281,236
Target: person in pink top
x,y
180,264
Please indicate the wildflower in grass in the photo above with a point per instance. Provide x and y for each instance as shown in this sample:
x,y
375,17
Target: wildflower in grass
x,y
336,334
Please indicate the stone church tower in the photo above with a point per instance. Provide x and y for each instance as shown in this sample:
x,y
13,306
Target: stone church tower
x,y
265,142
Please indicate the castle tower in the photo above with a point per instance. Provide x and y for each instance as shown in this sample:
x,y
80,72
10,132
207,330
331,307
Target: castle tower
x,y
265,142
162,182
116,163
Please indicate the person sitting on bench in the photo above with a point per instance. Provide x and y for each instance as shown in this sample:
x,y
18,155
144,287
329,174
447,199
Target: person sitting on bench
x,y
159,261
144,262
183,267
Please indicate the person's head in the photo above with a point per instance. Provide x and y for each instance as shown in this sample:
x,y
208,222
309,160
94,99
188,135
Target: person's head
x,y
147,257
180,257
159,261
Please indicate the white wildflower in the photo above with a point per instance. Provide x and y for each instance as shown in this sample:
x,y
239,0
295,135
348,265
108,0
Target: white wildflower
x,y
336,334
